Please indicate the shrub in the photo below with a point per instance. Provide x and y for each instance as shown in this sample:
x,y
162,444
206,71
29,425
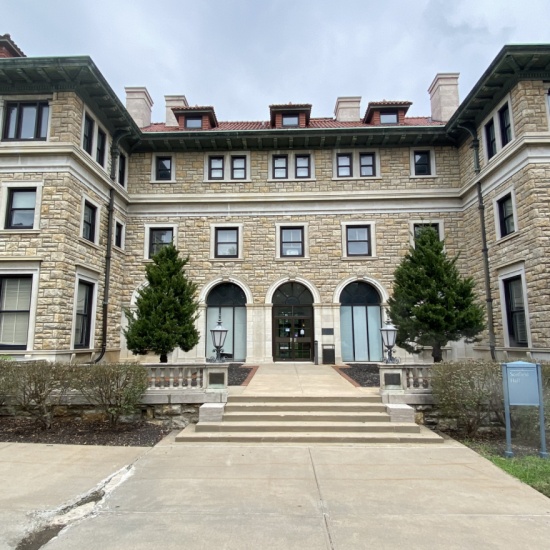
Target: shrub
x,y
6,381
114,387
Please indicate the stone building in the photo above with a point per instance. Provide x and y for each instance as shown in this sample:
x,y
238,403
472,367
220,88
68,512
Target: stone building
x,y
293,225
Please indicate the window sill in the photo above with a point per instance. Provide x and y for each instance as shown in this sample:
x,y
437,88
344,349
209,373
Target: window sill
x,y
507,237
291,258
247,180
360,178
275,180
357,258
415,177
20,231
82,240
162,181
213,259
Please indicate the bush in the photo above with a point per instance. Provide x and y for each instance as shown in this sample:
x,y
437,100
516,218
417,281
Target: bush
x,y
114,387
6,381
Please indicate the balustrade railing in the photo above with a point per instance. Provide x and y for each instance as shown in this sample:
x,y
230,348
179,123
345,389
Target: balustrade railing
x,y
187,377
406,378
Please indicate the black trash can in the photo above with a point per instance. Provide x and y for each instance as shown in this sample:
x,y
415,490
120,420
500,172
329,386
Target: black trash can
x,y
329,355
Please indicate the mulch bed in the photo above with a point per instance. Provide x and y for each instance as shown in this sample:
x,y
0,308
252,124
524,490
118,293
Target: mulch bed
x,y
364,375
238,375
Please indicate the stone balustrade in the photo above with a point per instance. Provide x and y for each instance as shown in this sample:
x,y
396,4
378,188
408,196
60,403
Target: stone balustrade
x,y
410,384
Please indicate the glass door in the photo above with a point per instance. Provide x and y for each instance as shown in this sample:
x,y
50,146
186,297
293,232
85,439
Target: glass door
x,y
293,333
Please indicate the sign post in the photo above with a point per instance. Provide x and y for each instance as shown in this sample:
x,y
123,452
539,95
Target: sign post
x,y
522,385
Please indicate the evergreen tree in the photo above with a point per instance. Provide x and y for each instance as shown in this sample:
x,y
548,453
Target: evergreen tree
x,y
166,309
431,304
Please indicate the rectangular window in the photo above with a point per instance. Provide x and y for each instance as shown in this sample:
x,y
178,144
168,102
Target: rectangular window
x,y
227,242
215,168
83,321
159,237
344,165
291,120
302,166
88,136
15,306
505,125
388,117
101,147
163,168
194,122
122,169
358,240
366,165
280,167
506,215
490,139
26,120
238,168
119,235
515,312
419,226
422,163
21,205
292,241
88,225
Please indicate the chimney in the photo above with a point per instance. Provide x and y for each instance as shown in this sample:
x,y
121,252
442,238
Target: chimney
x,y
348,109
173,101
139,104
444,96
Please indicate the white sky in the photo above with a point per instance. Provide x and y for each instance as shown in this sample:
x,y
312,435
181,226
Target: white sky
x,y
243,55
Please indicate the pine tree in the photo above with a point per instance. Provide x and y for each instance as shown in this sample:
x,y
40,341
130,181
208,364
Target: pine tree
x,y
431,304
166,309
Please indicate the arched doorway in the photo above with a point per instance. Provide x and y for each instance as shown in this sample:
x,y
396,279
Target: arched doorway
x,y
360,323
292,323
229,301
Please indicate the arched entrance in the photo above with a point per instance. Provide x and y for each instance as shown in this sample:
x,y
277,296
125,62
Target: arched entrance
x,y
360,323
229,300
292,323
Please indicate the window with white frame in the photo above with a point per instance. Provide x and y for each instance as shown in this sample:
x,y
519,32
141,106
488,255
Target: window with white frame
x,y
84,309
158,236
358,240
505,214
21,206
226,241
163,168
90,224
120,234
26,120
355,164
15,310
94,140
416,226
422,163
291,165
233,166
292,241
122,169
514,307
497,130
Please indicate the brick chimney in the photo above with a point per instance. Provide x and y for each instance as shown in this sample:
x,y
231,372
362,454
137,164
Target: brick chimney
x,y
173,101
444,96
348,109
139,104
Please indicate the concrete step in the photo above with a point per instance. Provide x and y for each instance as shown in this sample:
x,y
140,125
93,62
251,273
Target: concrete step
x,y
307,427
312,416
374,398
297,406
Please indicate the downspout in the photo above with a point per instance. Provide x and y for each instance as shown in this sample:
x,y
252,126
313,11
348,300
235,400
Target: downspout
x,y
484,248
108,253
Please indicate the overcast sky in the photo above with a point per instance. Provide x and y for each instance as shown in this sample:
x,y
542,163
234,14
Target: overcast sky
x,y
243,55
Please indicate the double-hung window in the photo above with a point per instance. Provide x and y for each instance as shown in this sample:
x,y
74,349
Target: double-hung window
x,y
505,125
158,238
302,168
358,240
344,165
506,220
89,222
163,168
366,165
515,312
101,146
280,167
15,305
227,167
88,135
122,170
83,319
491,139
21,207
292,241
26,120
215,168
418,227
238,168
227,242
119,235
497,130
422,163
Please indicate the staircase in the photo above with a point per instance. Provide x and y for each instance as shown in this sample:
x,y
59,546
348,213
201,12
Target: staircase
x,y
306,419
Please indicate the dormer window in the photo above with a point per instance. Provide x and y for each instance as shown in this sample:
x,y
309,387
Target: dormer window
x,y
388,117
290,115
290,120
193,122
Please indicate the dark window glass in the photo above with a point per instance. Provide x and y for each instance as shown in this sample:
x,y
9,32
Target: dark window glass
x,y
292,294
422,165
302,166
215,168
15,306
359,293
101,146
122,170
26,121
88,137
419,226
292,241
506,215
226,294
280,167
159,237
88,226
291,120
227,242
238,168
193,122
163,168
388,118
119,233
358,240
490,138
515,312
83,321
21,206
366,165
505,125
344,165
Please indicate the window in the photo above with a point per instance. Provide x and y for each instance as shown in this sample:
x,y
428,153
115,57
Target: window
x,y
422,163
163,168
344,165
122,169
193,122
21,206
227,242
515,312
15,305
302,166
119,235
215,168
358,240
280,167
159,237
238,168
26,120
366,165
88,136
292,241
389,117
83,318
89,222
506,221
101,146
505,125
417,227
490,139
291,120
